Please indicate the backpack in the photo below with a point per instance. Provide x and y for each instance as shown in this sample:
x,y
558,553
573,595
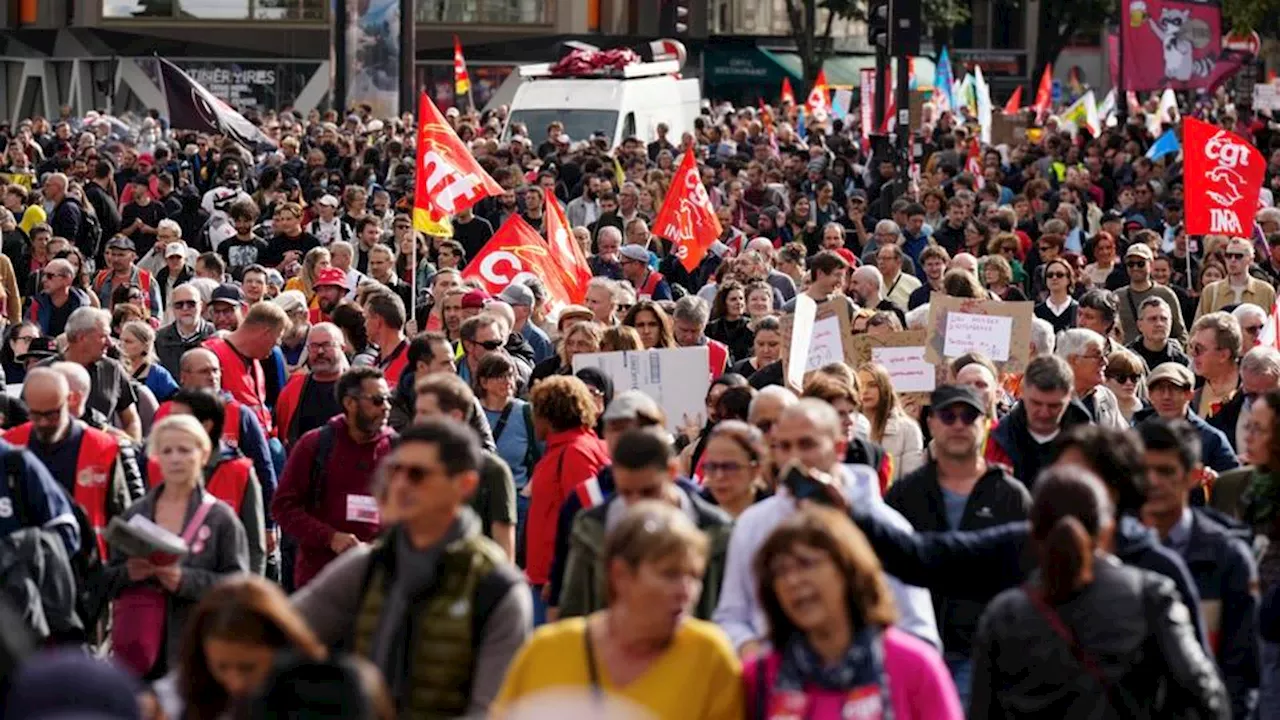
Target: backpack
x,y
324,447
90,236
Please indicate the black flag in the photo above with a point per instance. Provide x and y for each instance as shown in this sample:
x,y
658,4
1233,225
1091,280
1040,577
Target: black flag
x,y
193,107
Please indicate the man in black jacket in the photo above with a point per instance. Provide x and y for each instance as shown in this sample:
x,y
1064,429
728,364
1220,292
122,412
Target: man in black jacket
x,y
1022,439
67,215
98,192
958,490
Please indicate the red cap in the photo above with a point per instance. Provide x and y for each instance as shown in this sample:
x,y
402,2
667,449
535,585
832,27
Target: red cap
x,y
331,276
848,255
476,299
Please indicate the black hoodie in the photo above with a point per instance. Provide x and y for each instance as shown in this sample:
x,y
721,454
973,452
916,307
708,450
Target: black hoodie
x,y
1011,443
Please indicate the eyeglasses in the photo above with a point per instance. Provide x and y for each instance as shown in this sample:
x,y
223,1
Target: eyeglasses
x,y
313,347
1198,349
489,345
24,338
728,468
184,304
1055,276
1124,378
415,474
47,414
1095,358
378,399
964,413
1135,263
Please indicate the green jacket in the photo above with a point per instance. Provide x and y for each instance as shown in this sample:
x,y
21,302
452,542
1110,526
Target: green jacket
x,y
583,591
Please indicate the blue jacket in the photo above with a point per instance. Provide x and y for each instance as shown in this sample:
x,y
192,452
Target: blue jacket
x,y
41,309
1215,449
40,501
1227,578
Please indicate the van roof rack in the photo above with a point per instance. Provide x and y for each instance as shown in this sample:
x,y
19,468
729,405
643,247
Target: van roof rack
x,y
634,70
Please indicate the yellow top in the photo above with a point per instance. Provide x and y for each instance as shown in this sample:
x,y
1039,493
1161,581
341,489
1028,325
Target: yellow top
x,y
697,678
32,216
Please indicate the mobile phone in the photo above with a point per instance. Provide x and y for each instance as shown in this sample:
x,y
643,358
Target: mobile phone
x,y
804,486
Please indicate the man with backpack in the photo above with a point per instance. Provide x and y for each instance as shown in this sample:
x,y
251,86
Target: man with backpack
x,y
325,499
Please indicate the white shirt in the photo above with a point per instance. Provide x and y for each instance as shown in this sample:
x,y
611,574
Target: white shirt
x,y
738,613
1057,309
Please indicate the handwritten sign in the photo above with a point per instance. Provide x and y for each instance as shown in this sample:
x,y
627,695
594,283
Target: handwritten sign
x,y
826,345
818,334
987,334
907,368
676,378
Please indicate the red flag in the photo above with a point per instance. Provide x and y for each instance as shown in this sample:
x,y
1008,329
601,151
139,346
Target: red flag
x,y
687,218
1015,102
566,254
448,179
973,163
461,80
515,250
1044,95
819,98
788,95
1222,175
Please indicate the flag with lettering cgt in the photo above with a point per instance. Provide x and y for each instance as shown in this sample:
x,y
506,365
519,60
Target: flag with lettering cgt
x,y
1222,176
567,256
687,218
516,251
448,179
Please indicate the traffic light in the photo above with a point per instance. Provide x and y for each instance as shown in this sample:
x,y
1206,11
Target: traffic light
x,y
674,18
878,24
904,34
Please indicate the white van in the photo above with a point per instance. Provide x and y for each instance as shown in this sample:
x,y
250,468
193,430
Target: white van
x,y
620,106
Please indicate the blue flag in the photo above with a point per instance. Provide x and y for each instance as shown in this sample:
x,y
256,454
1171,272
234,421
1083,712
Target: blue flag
x,y
800,129
1166,145
942,81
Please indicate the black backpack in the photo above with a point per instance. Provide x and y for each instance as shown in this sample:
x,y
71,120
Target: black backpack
x,y
90,238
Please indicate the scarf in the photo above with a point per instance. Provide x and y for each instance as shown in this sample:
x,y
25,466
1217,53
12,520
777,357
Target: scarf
x,y
861,665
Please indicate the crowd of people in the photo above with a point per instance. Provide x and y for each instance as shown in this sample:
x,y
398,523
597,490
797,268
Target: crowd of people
x,y
369,488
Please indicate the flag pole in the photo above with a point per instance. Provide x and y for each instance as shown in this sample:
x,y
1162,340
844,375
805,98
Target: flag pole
x,y
413,279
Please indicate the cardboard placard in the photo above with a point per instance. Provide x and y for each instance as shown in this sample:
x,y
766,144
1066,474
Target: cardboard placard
x,y
902,354
676,378
826,339
999,330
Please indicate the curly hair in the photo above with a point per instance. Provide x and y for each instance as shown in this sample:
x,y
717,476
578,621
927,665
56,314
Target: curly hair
x,y
564,402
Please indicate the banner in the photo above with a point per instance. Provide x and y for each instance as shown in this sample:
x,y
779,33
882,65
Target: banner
x,y
1186,36
1044,93
788,95
571,263
515,251
461,80
687,218
942,80
819,98
448,179
1015,102
193,107
1222,175
675,378
373,55
867,101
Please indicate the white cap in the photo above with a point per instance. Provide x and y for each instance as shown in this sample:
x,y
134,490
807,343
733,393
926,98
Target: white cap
x,y
175,249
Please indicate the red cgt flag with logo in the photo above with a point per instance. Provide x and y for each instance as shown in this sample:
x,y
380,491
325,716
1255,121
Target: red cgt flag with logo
x,y
448,179
566,254
687,218
516,250
1222,176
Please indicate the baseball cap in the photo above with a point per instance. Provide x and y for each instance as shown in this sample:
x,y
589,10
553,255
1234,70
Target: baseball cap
x,y
1172,372
573,313
946,395
517,295
859,195
1112,216
175,249
226,292
121,242
40,347
328,200
634,252
331,276
476,299
1141,250
632,405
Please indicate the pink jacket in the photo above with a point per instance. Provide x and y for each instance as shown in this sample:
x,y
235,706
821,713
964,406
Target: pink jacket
x,y
920,687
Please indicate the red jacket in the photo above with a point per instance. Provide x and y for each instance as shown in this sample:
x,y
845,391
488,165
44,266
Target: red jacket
x,y
572,457
243,378
314,514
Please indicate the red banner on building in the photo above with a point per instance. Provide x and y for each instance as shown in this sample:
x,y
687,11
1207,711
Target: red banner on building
x,y
1222,175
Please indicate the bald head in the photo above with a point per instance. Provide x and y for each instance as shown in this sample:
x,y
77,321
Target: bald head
x,y
200,370
767,406
762,245
78,384
978,377
45,380
46,393
324,351
964,261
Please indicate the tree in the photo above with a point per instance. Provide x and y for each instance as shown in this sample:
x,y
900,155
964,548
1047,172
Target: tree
x,y
1060,21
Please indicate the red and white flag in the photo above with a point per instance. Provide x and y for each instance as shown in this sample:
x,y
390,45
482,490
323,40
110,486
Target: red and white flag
x,y
819,97
447,178
788,95
687,218
566,254
1222,176
973,163
1015,102
461,80
1269,335
1044,94
515,251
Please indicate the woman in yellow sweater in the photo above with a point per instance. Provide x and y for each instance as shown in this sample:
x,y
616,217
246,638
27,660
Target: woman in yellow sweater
x,y
644,652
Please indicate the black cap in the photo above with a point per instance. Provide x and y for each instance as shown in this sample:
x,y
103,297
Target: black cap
x,y
946,395
41,347
226,292
121,242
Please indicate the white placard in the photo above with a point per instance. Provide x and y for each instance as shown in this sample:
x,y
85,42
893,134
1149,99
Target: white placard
x,y
1266,96
802,323
987,334
825,345
907,368
676,378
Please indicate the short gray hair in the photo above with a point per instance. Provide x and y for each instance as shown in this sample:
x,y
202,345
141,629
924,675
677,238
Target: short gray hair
x,y
870,272
1077,340
1262,360
167,224
609,230
693,309
1049,373
87,319
1244,311
1151,302
608,285
888,226
1042,336
772,392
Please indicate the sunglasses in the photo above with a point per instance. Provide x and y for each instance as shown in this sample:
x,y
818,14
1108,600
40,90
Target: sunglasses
x,y
415,474
1135,263
964,413
1124,378
1237,255
1252,329
1055,276
489,345
378,399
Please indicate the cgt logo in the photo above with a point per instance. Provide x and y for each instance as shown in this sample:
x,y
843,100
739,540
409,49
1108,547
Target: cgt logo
x,y
1226,152
503,267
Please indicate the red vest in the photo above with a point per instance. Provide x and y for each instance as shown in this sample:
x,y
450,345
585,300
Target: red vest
x,y
393,367
230,420
228,483
144,282
94,465
650,285
243,378
717,357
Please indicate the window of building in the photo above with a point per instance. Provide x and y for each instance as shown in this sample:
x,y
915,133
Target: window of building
x,y
279,10
489,12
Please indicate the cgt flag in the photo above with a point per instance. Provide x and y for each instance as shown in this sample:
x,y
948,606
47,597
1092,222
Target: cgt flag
x,y
515,251
447,179
687,218
461,80
567,256
193,107
1222,175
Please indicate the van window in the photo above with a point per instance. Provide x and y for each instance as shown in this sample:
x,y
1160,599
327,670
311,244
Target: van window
x,y
628,126
578,124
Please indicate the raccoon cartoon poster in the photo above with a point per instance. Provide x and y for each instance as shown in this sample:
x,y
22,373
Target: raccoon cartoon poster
x,y
1186,36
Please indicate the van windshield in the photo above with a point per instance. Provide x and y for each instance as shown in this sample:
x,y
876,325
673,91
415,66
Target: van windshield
x,y
578,124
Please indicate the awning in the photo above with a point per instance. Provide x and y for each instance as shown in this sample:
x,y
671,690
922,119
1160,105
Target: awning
x,y
744,66
847,69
